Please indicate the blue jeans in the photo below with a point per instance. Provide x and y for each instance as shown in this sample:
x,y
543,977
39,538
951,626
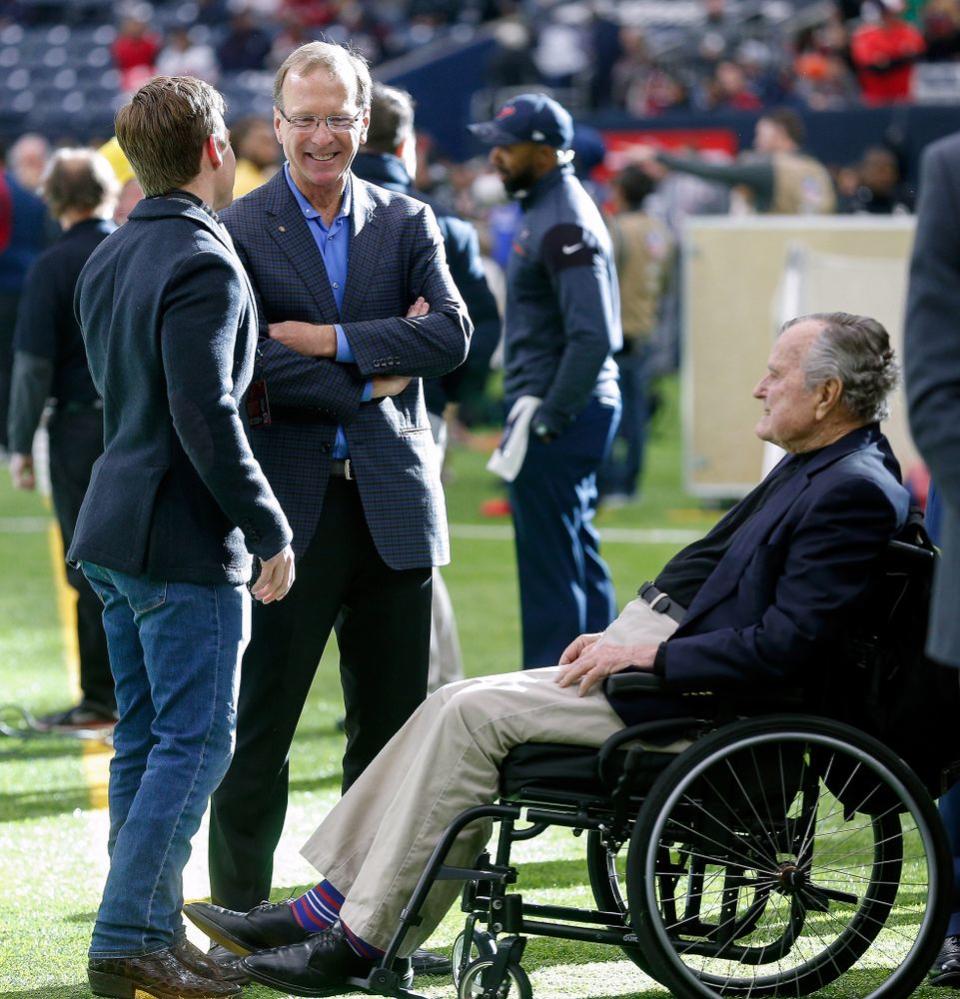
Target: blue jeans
x,y
565,586
174,651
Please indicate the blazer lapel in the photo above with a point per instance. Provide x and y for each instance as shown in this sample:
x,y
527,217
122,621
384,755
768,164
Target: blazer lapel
x,y
288,228
757,529
365,240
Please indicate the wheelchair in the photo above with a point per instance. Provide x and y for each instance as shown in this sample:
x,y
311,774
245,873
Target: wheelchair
x,y
772,851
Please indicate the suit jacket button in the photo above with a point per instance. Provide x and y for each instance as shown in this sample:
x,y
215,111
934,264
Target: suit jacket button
x,y
326,448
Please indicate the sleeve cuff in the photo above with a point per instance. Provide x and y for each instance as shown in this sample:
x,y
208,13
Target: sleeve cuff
x,y
367,393
660,661
344,353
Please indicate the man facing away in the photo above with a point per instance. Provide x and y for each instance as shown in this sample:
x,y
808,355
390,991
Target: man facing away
x,y
562,326
356,306
757,603
50,367
174,506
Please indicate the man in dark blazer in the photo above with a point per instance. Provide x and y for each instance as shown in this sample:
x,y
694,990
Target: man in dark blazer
x,y
174,508
932,361
50,369
356,306
760,601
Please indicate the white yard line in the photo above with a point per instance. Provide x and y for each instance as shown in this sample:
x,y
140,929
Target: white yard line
x,y
609,535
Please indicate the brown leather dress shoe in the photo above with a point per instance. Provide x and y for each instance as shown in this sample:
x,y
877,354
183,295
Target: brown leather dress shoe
x,y
161,975
218,968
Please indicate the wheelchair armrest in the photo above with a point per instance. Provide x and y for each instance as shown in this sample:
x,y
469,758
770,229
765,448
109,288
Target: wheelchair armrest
x,y
635,683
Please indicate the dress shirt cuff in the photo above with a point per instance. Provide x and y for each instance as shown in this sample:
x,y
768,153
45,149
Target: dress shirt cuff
x,y
367,391
344,353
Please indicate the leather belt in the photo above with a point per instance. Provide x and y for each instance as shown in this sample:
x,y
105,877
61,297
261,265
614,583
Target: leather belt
x,y
342,468
661,602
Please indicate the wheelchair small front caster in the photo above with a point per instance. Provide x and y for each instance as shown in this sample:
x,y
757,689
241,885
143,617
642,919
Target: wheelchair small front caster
x,y
482,945
484,980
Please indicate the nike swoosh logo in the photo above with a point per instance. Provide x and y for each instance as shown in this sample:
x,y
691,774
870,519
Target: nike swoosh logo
x,y
572,249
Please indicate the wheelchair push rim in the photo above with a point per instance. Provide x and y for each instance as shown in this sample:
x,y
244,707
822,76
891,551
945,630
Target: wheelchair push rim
x,y
777,856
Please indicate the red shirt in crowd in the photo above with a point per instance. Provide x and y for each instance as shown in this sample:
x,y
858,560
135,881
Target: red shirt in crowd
x,y
884,54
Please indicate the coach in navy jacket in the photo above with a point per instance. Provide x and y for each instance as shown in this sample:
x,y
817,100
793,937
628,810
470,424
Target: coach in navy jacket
x,y
356,306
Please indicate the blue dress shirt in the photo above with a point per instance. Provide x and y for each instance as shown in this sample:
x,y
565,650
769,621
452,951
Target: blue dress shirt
x,y
333,242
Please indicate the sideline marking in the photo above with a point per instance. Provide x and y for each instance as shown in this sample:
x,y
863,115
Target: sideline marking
x,y
96,754
24,525
608,535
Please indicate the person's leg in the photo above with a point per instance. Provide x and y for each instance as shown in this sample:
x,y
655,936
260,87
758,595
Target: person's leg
x,y
76,441
384,637
288,637
470,726
446,660
8,322
192,638
132,737
565,587
615,475
601,597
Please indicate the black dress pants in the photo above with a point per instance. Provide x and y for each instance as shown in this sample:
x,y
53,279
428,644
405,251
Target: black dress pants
x,y
382,617
76,441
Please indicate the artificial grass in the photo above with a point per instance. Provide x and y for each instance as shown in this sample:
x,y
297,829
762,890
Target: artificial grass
x,y
53,843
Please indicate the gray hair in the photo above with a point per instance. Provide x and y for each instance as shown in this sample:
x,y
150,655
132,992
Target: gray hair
x,y
337,60
856,351
79,180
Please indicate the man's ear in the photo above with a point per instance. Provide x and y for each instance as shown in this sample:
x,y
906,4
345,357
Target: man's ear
x,y
214,152
831,392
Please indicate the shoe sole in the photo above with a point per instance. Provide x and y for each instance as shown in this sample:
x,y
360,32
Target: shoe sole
x,y
948,979
299,990
217,934
118,987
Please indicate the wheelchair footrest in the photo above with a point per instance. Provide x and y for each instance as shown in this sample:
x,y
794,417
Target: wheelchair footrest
x,y
503,875
384,982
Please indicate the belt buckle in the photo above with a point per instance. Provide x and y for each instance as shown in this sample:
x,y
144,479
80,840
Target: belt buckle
x,y
347,469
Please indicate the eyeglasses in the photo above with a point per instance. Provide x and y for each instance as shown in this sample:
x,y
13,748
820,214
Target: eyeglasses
x,y
309,122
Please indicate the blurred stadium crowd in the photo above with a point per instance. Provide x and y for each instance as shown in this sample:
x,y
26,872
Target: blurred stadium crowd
x,y
640,58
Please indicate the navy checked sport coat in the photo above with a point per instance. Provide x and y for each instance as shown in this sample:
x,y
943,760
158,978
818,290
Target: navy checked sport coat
x,y
396,255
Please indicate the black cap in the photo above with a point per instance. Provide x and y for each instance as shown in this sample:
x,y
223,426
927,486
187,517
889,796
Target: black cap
x,y
527,118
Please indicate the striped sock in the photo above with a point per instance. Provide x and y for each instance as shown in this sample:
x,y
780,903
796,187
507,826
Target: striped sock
x,y
359,946
318,909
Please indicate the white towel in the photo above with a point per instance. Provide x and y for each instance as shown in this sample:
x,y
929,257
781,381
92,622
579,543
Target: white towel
x,y
507,460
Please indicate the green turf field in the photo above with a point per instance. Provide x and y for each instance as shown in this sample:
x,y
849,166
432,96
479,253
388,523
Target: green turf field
x,y
52,824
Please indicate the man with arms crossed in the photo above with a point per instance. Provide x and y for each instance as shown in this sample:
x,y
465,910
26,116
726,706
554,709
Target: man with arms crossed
x,y
356,306
754,604
174,505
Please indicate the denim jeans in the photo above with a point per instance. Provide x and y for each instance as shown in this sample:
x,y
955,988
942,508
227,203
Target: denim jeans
x,y
174,653
565,586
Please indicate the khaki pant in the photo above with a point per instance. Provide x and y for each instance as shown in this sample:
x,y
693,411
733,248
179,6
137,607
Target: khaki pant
x,y
376,841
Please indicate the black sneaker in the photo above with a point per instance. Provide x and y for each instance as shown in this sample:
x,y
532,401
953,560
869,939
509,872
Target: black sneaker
x,y
86,714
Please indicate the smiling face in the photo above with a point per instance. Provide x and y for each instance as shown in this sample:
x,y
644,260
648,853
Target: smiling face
x,y
319,159
792,413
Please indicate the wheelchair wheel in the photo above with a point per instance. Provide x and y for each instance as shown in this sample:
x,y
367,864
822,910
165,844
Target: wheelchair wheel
x,y
779,855
481,945
515,984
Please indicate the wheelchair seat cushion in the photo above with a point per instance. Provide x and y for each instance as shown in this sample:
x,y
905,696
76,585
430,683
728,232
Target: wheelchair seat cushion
x,y
573,770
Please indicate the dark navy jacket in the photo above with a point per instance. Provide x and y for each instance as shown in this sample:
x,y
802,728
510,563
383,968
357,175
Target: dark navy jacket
x,y
170,328
932,364
563,303
466,268
396,254
793,579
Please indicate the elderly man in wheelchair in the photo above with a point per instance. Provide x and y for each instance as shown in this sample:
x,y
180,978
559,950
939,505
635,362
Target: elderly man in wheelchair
x,y
728,855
